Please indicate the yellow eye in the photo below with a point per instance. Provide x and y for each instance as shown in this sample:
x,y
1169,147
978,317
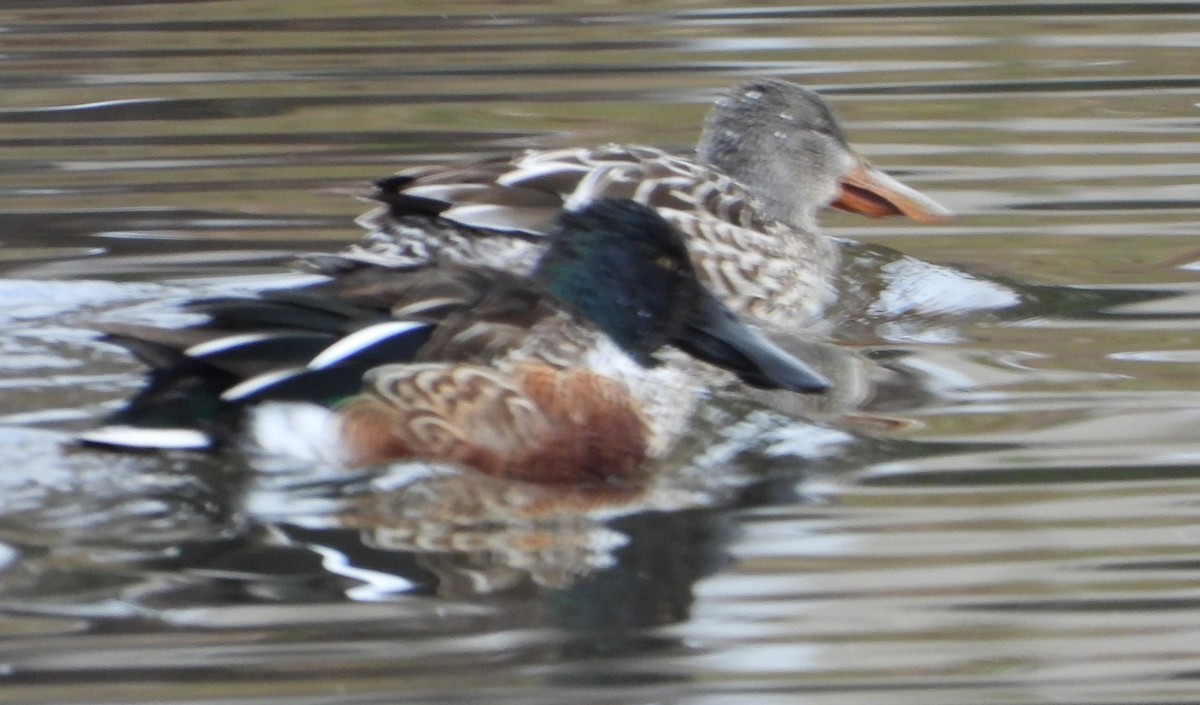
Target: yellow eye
x,y
668,263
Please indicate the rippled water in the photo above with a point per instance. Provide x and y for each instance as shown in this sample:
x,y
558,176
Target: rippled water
x,y
1006,515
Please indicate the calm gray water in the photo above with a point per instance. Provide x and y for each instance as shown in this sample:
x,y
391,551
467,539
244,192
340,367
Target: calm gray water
x,y
1008,515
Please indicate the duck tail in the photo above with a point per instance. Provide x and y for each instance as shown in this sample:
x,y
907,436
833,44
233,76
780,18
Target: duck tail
x,y
203,378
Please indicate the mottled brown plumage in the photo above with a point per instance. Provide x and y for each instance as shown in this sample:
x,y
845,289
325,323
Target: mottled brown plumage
x,y
771,156
537,423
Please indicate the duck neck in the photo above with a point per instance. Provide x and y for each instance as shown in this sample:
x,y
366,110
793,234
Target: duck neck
x,y
602,285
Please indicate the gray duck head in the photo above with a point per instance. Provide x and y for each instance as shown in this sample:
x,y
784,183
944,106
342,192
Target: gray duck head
x,y
785,144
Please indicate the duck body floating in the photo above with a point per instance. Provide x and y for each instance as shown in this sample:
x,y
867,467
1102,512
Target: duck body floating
x,y
772,155
550,378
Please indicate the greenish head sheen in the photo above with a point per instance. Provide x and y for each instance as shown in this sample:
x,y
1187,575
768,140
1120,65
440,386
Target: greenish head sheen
x,y
621,265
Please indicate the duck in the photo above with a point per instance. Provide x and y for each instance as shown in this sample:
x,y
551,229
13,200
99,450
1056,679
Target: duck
x,y
554,378
771,156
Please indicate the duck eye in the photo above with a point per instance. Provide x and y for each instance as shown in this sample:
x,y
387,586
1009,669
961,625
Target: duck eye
x,y
668,263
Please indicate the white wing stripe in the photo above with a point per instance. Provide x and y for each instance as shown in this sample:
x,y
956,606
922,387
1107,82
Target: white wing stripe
x,y
360,340
229,342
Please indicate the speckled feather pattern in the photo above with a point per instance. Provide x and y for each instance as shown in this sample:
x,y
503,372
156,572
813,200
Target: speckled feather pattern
x,y
664,396
775,273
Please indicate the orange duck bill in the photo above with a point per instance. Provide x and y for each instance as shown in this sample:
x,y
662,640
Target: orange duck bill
x,y
869,191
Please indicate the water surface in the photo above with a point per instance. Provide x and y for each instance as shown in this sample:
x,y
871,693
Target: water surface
x,y
1005,515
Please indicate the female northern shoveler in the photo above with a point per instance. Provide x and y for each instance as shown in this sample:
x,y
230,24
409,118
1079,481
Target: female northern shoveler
x,y
550,378
771,156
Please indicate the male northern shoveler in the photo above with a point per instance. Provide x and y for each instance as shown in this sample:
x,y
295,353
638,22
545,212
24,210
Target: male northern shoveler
x,y
550,378
771,155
